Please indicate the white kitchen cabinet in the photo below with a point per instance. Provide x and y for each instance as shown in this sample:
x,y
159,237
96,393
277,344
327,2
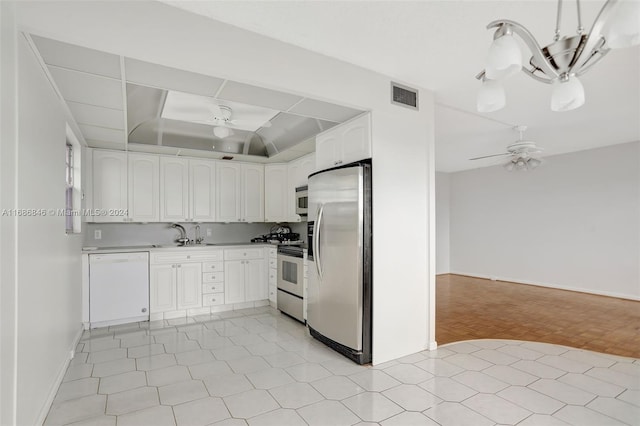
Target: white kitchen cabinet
x,y
189,285
307,166
252,193
202,190
245,278
175,286
143,187
187,190
174,189
162,288
240,192
343,144
276,190
272,280
109,192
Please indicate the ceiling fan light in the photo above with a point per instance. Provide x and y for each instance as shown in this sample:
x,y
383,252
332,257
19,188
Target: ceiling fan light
x,y
532,163
623,26
567,94
222,132
504,58
509,166
491,96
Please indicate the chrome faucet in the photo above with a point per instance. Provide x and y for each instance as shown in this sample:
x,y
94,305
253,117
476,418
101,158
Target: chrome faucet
x,y
198,239
183,240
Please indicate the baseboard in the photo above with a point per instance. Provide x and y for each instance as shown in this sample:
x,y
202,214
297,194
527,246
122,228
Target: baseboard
x,y
548,285
58,381
433,346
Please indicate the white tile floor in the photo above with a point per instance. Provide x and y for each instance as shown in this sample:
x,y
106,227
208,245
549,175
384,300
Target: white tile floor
x,y
259,367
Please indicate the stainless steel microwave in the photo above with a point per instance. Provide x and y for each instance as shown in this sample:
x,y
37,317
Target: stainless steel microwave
x,y
302,200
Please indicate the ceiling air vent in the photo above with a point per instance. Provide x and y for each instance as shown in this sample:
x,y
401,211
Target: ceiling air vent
x,y
404,96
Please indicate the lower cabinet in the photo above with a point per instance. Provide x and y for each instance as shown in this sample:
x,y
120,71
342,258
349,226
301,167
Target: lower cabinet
x,y
244,281
175,287
196,282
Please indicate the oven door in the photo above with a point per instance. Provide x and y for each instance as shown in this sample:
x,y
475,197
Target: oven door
x,y
290,274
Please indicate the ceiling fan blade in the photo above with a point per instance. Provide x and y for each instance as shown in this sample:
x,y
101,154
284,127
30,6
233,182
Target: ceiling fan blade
x,y
489,156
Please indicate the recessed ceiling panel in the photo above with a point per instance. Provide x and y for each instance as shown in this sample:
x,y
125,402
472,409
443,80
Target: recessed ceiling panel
x,y
77,58
87,88
163,77
288,130
97,116
259,96
325,110
102,134
206,110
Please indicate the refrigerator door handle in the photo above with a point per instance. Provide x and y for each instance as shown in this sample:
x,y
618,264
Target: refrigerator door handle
x,y
316,240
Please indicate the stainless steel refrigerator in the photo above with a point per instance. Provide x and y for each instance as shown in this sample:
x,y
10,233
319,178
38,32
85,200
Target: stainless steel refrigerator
x,y
340,289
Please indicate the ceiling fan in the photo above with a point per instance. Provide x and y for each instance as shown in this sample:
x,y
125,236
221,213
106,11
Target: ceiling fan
x,y
222,119
520,152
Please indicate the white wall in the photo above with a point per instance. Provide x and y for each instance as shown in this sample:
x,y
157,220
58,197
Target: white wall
x,y
8,277
47,262
402,138
573,223
443,184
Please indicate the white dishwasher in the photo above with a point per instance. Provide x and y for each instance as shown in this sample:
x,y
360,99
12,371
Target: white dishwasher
x,y
118,288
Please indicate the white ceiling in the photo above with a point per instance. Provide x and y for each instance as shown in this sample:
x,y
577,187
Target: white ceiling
x,y
440,45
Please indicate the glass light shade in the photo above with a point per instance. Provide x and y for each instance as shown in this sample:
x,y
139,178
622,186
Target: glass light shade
x,y
532,163
504,58
623,26
491,96
222,132
509,166
567,95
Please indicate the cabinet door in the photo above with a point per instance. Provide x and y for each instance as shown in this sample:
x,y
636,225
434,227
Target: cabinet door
x,y
144,176
174,189
202,190
228,187
275,193
234,281
257,287
328,150
189,285
109,184
356,139
162,291
307,166
253,193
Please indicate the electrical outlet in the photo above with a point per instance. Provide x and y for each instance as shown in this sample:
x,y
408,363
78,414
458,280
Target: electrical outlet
x,y
97,234
209,233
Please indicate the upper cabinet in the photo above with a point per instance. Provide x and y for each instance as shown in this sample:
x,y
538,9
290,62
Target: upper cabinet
x,y
344,144
276,193
240,195
109,185
143,187
187,190
125,187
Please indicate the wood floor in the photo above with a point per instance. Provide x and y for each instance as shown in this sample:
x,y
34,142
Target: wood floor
x,y
473,308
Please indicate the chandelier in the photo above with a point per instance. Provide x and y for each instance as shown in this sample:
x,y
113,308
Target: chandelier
x,y
561,62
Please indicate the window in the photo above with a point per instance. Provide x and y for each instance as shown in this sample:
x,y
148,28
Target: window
x,y
73,190
68,205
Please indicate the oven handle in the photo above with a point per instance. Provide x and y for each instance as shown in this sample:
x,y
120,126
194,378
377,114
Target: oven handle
x,y
316,240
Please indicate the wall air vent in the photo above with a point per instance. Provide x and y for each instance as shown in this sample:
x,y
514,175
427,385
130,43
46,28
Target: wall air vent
x,y
404,96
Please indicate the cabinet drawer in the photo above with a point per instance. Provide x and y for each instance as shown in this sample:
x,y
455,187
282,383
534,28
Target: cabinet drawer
x,y
273,277
212,288
273,293
273,263
212,266
242,254
273,253
213,277
213,299
184,256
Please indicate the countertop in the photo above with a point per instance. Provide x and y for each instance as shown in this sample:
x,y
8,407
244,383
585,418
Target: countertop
x,y
170,247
